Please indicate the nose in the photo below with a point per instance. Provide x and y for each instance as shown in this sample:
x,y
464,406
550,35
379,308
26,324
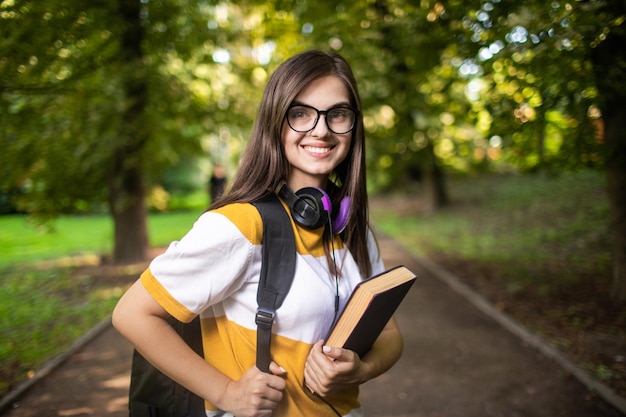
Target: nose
x,y
321,128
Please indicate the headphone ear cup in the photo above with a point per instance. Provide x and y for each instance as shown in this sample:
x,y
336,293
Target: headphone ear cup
x,y
341,220
311,207
319,204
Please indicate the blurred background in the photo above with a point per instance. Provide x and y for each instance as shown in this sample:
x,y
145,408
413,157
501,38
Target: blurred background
x,y
496,146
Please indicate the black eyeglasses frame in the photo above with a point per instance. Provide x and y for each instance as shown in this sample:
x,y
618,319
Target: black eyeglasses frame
x,y
323,113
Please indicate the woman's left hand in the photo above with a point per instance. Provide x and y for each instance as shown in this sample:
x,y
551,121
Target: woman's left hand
x,y
329,369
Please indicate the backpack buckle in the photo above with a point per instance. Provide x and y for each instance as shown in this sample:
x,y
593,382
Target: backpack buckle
x,y
265,317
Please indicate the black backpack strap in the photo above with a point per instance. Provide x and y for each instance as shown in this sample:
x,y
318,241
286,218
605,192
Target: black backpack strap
x,y
277,272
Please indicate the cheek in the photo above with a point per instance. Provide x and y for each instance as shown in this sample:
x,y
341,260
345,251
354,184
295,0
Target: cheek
x,y
288,136
289,141
346,145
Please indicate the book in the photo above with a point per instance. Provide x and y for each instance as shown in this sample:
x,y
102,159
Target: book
x,y
369,308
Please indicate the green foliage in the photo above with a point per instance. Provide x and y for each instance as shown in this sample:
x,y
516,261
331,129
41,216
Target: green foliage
x,y
99,101
544,233
53,107
537,83
470,85
43,312
197,201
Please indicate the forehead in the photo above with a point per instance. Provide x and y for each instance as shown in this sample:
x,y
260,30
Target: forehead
x,y
324,92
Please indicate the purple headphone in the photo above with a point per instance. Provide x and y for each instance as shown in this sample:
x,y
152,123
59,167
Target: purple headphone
x,y
311,207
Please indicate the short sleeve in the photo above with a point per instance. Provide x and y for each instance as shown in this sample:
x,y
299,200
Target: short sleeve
x,y
209,263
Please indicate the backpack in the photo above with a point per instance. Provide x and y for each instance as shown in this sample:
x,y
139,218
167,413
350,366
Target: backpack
x,y
153,394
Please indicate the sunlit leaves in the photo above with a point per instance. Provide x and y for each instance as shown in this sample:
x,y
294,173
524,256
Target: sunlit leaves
x,y
535,58
443,76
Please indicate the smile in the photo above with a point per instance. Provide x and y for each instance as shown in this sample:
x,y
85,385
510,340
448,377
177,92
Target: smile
x,y
316,150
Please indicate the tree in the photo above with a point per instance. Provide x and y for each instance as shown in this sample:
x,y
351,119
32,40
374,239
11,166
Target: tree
x,y
567,57
98,97
609,64
542,70
78,79
392,45
127,189
113,92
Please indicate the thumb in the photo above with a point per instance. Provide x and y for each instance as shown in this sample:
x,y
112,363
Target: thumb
x,y
333,353
275,369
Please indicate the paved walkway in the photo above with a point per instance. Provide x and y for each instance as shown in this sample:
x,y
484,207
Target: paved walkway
x,y
458,362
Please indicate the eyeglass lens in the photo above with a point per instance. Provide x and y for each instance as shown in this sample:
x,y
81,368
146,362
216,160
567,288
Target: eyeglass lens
x,y
303,118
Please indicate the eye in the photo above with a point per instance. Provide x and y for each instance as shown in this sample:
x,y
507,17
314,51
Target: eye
x,y
338,113
299,113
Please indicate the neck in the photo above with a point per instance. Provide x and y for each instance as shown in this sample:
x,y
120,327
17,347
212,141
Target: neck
x,y
296,183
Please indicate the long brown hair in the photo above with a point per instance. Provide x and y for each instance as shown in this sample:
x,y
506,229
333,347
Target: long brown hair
x,y
264,163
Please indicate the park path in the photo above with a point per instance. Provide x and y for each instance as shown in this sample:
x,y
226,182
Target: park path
x,y
458,362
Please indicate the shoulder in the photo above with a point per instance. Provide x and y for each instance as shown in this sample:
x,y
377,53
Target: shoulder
x,y
245,217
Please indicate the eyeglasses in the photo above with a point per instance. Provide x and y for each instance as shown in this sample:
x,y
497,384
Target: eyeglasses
x,y
303,118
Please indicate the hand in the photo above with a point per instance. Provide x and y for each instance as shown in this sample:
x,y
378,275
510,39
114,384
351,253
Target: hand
x,y
329,369
256,394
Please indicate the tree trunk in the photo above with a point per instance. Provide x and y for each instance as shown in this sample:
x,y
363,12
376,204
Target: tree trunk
x,y
608,58
434,192
127,192
615,142
616,179
129,217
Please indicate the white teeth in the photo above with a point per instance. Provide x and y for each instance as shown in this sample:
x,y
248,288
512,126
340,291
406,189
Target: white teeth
x,y
316,150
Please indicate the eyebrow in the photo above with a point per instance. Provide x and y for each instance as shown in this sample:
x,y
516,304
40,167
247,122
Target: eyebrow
x,y
334,106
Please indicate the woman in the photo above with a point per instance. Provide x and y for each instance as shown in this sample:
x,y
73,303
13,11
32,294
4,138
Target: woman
x,y
308,133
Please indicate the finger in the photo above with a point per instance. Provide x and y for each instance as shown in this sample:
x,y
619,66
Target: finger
x,y
338,354
317,347
316,355
331,352
311,380
276,369
273,395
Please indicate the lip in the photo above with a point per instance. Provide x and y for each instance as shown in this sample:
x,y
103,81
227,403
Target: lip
x,y
318,150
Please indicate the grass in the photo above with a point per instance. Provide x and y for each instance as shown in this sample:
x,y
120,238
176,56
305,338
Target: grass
x,y
538,247
523,223
47,306
43,312
23,242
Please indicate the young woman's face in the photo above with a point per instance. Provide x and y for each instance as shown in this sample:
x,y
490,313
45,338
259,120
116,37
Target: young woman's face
x,y
313,155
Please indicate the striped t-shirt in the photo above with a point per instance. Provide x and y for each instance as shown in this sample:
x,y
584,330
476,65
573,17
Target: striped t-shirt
x,y
214,271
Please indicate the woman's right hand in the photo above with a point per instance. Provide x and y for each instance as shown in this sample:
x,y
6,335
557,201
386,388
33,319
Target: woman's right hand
x,y
255,394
